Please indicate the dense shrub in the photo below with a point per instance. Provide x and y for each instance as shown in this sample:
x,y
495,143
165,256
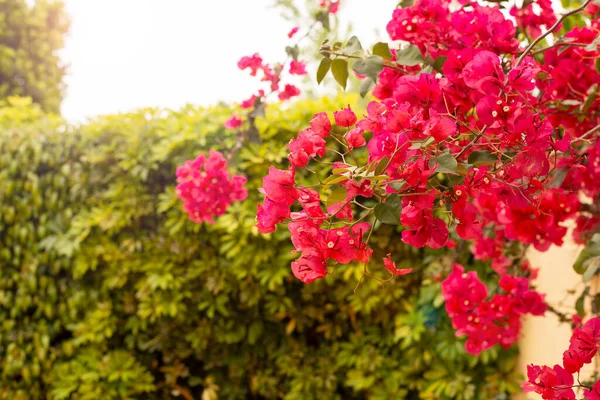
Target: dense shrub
x,y
107,291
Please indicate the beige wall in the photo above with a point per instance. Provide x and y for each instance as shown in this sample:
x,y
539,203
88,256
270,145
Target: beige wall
x,y
543,339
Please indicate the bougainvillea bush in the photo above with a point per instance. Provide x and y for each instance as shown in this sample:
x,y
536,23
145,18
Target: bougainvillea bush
x,y
482,135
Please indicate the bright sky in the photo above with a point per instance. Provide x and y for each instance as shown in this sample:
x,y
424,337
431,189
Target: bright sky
x,y
126,54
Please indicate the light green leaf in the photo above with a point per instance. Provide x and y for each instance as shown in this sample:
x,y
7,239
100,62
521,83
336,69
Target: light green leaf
x,y
366,85
337,196
369,67
352,46
382,50
410,56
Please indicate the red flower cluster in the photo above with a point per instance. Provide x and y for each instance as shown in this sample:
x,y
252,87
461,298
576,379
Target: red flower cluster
x,y
206,187
317,244
530,21
495,147
484,321
436,30
557,383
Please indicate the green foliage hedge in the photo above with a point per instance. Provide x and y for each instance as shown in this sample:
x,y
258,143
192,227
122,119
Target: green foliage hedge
x,y
107,291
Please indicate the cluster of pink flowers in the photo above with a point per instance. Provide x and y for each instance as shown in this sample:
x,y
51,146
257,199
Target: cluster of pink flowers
x,y
272,75
488,321
557,383
206,188
530,20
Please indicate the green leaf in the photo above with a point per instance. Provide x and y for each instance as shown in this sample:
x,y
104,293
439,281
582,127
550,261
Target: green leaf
x,y
406,3
293,52
579,304
333,179
593,46
337,196
369,67
446,164
439,63
410,56
592,94
397,185
382,50
559,177
389,212
255,331
339,69
597,65
323,69
419,144
366,85
352,46
463,169
382,165
323,18
591,250
591,266
482,157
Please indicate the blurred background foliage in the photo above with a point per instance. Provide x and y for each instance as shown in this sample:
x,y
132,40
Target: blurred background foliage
x,y
31,34
107,291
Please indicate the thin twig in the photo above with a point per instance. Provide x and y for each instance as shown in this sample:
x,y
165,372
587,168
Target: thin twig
x,y
549,31
587,134
561,44
473,142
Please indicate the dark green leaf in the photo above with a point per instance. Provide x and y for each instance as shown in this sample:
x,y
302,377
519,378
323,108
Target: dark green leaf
x,y
389,212
352,46
339,69
382,50
337,196
580,302
597,65
369,67
409,56
439,63
323,69
482,157
446,163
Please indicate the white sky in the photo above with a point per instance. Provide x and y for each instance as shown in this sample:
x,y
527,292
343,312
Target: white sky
x,y
126,54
